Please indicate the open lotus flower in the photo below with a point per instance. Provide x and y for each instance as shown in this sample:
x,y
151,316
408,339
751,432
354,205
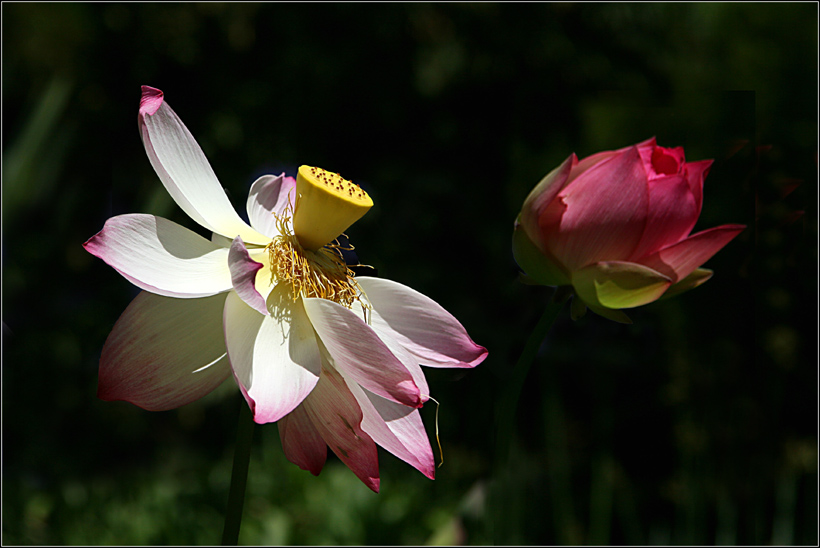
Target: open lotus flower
x,y
615,227
334,358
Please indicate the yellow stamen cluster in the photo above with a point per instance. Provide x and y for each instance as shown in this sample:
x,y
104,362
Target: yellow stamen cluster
x,y
322,273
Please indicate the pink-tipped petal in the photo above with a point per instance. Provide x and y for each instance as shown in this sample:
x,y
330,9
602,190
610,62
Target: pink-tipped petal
x,y
185,172
397,428
151,100
243,276
161,256
302,443
420,324
164,352
600,215
673,212
338,419
358,351
540,197
409,360
269,196
681,259
275,359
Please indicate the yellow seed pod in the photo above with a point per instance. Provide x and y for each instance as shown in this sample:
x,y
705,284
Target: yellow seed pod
x,y
327,204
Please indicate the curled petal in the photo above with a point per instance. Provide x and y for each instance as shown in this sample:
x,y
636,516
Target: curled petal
x,y
269,195
185,172
275,359
243,276
600,215
337,417
164,352
161,256
358,351
615,284
301,441
679,260
420,324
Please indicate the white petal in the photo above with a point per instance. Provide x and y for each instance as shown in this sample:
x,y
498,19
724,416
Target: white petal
x,y
420,324
161,256
183,169
275,358
270,194
164,352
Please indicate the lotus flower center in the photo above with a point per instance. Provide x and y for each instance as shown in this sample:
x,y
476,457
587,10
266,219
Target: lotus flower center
x,y
320,273
326,205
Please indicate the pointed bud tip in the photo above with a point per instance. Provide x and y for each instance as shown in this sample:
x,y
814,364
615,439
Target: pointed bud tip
x,y
151,100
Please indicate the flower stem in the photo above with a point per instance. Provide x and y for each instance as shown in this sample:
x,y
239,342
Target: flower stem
x,y
239,476
508,403
506,494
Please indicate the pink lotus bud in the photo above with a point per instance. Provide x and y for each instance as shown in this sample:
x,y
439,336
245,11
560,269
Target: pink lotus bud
x,y
616,227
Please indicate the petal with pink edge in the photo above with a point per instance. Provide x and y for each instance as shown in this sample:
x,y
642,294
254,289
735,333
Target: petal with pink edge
x,y
420,324
161,256
301,441
243,276
275,359
600,216
268,197
164,352
338,418
540,197
185,172
409,360
616,284
358,351
678,260
397,428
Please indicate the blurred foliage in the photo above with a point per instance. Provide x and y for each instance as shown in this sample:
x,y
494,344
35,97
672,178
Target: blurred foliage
x,y
696,424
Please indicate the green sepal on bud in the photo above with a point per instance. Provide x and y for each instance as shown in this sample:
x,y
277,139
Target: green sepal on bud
x,y
536,264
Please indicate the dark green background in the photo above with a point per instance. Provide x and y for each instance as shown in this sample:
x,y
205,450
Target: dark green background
x,y
695,424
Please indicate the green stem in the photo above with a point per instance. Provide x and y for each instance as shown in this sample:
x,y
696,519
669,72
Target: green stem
x,y
505,498
239,476
508,403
